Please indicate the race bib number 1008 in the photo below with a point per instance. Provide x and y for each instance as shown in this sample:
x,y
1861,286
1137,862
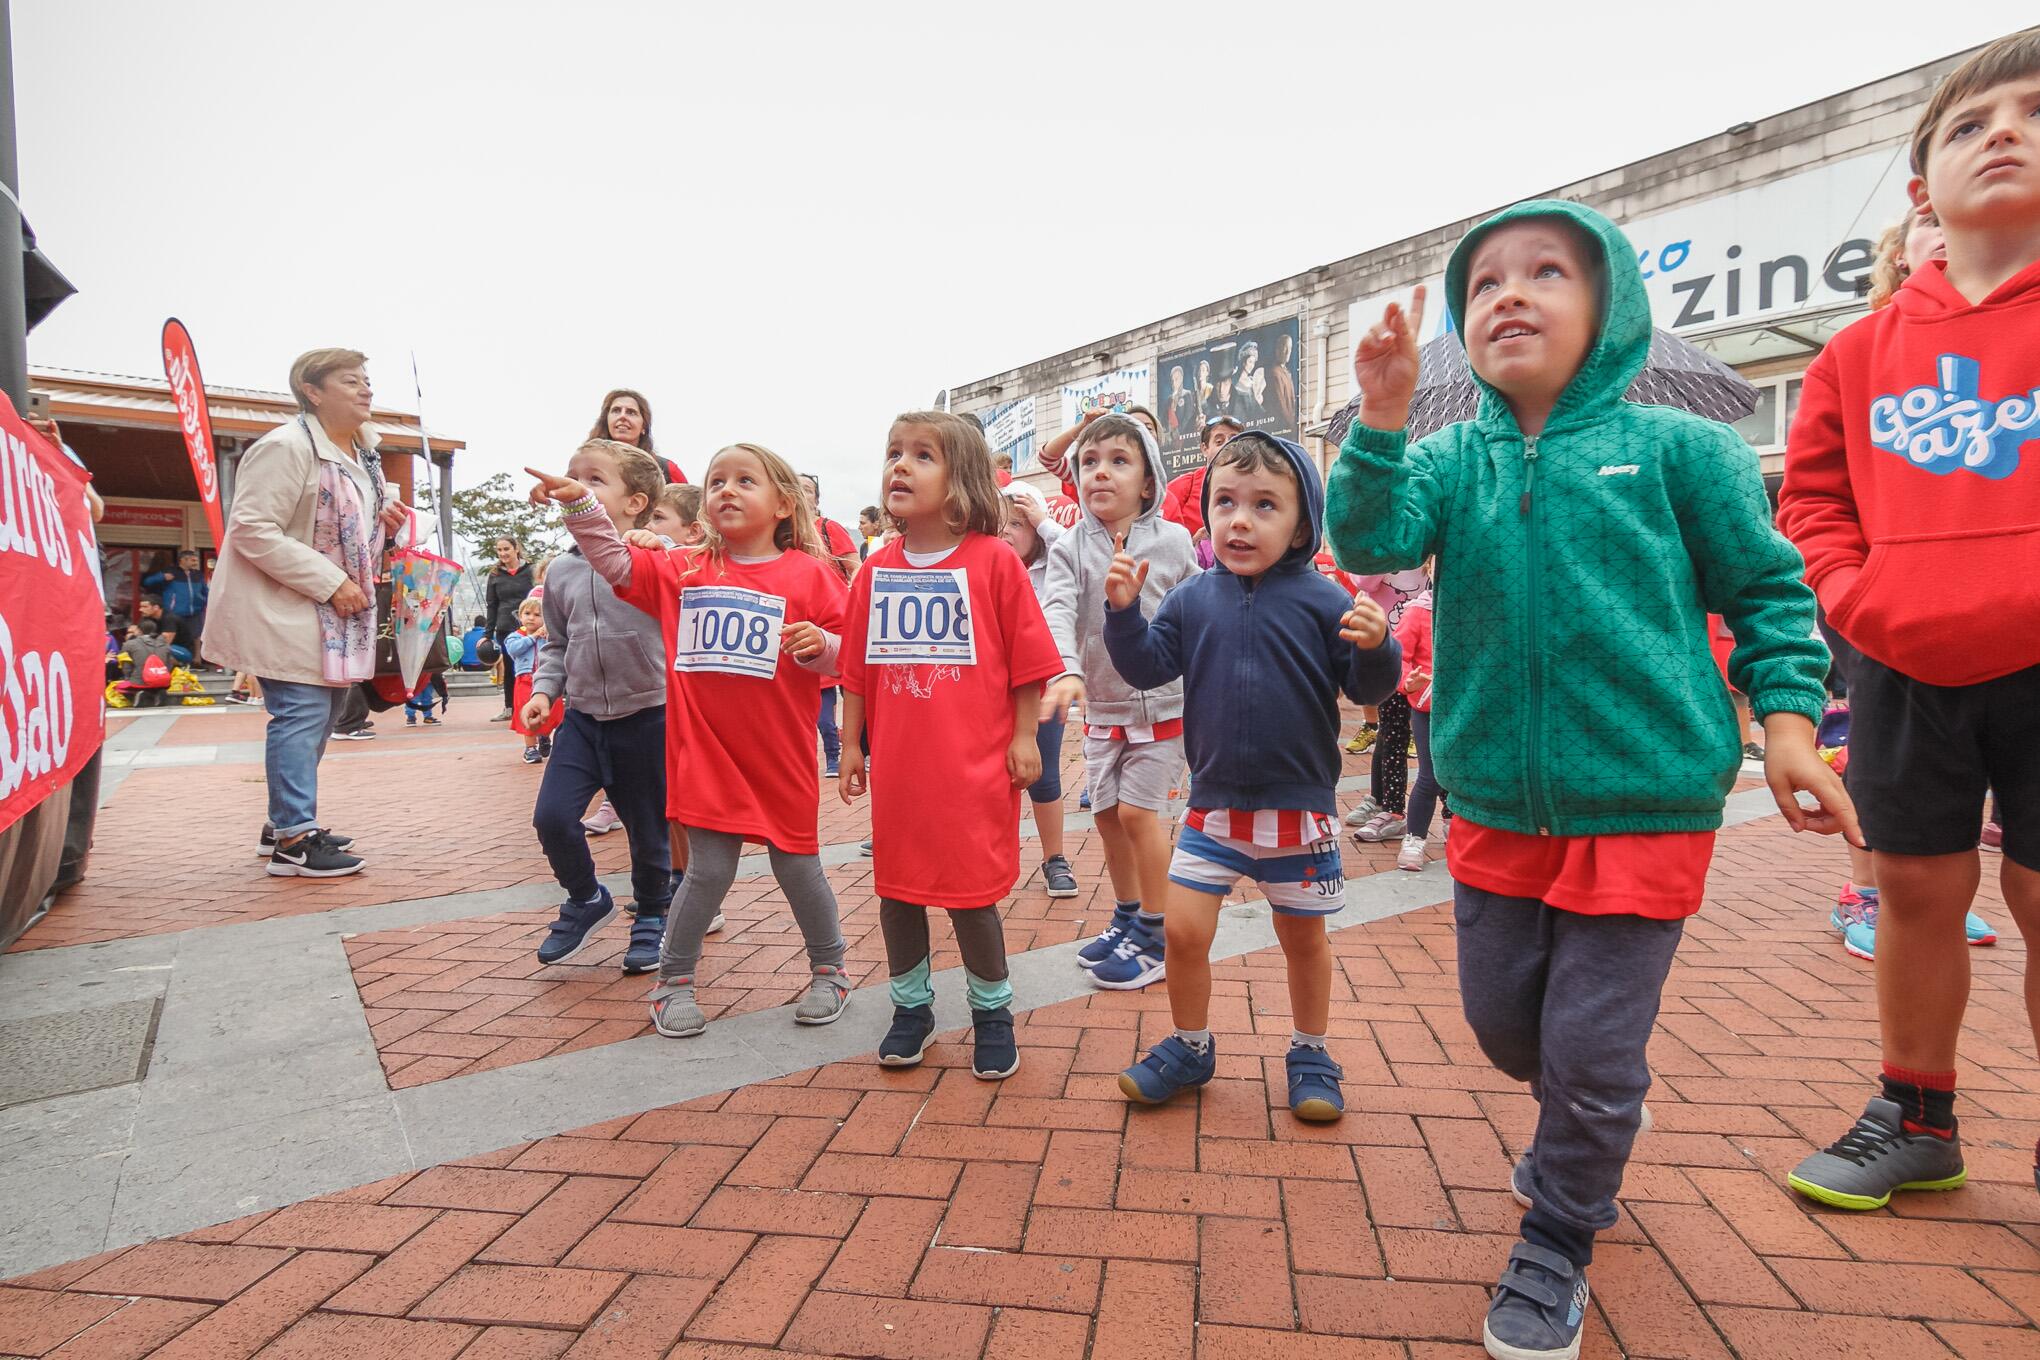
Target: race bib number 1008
x,y
730,630
919,618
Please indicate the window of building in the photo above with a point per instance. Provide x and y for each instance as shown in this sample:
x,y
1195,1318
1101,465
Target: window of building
x,y
1764,429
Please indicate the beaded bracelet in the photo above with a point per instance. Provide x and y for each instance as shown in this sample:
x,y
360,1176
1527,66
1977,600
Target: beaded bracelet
x,y
581,506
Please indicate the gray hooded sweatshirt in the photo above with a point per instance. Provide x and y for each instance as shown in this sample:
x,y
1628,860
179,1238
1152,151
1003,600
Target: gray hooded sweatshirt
x,y
608,657
1073,598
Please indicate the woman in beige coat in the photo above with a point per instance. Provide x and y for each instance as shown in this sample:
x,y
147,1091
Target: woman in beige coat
x,y
293,598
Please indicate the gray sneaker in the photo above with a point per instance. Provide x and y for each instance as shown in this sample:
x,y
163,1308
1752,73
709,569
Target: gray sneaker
x,y
674,1013
1876,1157
826,997
1363,812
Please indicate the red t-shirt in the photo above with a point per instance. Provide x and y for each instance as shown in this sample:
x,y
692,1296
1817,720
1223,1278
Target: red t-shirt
x,y
837,538
945,817
1660,875
740,749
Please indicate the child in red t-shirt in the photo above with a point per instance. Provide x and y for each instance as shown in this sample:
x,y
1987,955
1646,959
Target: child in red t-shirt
x,y
944,653
750,621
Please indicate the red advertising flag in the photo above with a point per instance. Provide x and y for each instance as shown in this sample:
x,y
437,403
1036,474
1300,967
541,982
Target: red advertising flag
x,y
52,648
187,389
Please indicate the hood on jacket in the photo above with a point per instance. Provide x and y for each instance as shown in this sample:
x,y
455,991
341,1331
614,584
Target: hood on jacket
x,y
1297,558
1622,345
1151,507
1927,295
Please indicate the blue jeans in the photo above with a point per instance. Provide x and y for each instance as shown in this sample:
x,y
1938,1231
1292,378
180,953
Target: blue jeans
x,y
301,716
1048,738
825,723
625,758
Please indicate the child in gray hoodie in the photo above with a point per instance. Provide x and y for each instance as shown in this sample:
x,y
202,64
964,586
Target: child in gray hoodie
x,y
1133,738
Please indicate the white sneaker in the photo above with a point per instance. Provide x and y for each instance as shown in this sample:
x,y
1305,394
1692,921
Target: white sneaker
x,y
603,820
1381,826
1364,813
1411,856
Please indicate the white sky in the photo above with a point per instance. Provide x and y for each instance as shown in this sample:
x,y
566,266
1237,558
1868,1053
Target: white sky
x,y
787,222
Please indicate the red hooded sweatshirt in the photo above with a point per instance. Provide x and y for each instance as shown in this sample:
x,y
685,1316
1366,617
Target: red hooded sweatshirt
x,y
1912,480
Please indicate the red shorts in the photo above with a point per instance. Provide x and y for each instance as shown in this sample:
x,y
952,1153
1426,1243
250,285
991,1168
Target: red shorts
x,y
521,693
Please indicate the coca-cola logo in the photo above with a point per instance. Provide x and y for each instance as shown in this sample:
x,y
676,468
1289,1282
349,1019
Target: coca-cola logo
x,y
191,417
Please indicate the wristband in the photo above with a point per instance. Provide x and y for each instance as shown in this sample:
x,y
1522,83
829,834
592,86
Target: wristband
x,y
582,506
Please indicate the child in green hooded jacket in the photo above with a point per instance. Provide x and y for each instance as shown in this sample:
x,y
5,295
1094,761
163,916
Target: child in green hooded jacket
x,y
1581,542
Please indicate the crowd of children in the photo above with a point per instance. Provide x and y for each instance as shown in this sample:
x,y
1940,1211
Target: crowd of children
x,y
1537,586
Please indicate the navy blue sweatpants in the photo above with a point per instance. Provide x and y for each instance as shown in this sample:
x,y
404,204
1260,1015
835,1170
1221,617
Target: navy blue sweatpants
x,y
625,757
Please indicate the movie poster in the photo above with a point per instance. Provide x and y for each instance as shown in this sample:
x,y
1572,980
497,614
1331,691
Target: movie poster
x,y
1251,375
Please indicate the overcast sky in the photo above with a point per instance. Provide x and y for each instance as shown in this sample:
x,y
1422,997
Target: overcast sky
x,y
785,223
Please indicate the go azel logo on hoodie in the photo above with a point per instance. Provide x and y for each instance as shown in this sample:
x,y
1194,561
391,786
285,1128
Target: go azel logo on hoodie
x,y
1949,428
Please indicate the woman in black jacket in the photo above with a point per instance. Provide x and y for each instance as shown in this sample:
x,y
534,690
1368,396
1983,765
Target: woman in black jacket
x,y
508,584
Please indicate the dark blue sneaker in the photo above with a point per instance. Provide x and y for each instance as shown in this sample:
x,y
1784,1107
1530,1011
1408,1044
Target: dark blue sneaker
x,y
578,922
1084,800
1538,1308
1100,949
993,1054
1170,1066
1134,962
1314,1085
1523,1183
647,934
907,1040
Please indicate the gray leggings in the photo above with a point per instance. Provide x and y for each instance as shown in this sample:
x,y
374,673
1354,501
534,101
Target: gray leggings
x,y
980,937
711,868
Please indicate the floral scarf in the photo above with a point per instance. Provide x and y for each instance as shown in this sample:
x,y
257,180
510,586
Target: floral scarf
x,y
351,541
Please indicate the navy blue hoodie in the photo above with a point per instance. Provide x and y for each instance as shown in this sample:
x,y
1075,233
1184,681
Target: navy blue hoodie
x,y
1262,665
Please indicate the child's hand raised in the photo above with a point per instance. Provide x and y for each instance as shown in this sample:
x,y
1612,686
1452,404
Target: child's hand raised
x,y
1364,625
645,538
1124,580
804,640
563,490
1385,365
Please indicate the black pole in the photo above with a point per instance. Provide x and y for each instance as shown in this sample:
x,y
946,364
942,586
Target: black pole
x,y
13,308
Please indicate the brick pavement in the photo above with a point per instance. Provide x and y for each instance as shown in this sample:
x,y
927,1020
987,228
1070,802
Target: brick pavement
x,y
924,1215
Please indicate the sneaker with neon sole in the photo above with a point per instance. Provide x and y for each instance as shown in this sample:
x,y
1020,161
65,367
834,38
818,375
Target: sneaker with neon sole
x,y
1877,1158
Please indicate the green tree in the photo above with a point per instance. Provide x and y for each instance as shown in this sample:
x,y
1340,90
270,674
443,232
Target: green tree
x,y
495,509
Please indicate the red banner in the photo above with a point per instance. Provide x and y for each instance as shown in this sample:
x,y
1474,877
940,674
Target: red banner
x,y
52,646
187,389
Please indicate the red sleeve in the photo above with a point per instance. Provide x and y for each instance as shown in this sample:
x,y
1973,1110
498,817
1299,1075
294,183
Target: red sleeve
x,y
1413,635
1817,504
654,577
1031,654
840,544
1178,505
856,615
825,602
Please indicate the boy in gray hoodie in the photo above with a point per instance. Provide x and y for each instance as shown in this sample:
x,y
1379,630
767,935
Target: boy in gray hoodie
x,y
1133,738
608,660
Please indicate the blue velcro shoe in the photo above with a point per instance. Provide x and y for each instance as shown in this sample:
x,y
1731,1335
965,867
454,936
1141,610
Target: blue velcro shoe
x,y
907,1040
576,926
1170,1066
1314,1085
993,1054
1523,1182
1100,949
1538,1309
647,933
1134,962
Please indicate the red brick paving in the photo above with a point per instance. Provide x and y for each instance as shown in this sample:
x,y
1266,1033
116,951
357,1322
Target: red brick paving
x,y
855,1211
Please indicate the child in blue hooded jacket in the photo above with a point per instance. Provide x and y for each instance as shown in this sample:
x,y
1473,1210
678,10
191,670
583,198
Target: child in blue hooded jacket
x,y
1264,645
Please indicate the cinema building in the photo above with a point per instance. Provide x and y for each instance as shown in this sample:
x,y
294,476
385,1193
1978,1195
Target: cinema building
x,y
1755,244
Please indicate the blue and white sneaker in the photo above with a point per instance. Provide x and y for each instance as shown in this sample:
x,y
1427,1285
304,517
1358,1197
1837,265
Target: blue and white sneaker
x,y
1858,924
1100,949
1977,930
1539,1307
647,935
1850,905
1170,1066
576,926
1134,962
1314,1085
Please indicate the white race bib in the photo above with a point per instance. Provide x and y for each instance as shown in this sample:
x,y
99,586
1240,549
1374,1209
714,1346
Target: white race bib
x,y
919,618
730,630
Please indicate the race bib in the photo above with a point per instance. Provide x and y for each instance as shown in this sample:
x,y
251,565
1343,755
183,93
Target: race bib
x,y
730,630
919,618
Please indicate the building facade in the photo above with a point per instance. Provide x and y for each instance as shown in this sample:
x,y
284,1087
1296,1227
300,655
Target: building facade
x,y
127,432
1756,246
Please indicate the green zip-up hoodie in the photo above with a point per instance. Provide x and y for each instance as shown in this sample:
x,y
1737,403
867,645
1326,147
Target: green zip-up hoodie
x,y
1575,693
